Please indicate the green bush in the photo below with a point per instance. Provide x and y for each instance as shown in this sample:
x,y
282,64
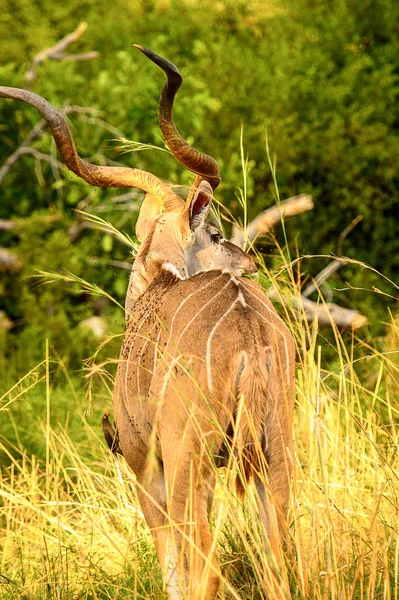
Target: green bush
x,y
320,79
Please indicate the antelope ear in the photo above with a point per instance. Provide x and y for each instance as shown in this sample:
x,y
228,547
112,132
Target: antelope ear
x,y
200,205
150,210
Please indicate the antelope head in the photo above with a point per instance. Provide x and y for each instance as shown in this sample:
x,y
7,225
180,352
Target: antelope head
x,y
175,235
183,241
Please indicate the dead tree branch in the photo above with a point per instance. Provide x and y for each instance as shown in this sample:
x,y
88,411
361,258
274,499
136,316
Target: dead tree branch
x,y
8,225
35,133
271,217
323,276
324,313
56,52
9,261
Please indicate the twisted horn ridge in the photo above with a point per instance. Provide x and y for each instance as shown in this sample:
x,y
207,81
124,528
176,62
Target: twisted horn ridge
x,y
203,165
95,175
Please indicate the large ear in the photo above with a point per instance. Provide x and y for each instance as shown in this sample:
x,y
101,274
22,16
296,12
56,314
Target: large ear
x,y
150,210
200,204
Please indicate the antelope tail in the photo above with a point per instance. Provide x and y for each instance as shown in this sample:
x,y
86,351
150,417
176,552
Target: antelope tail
x,y
252,402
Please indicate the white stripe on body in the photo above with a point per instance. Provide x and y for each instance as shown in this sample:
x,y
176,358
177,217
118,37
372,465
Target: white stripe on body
x,y
173,575
166,378
208,344
148,339
274,327
190,296
196,315
136,335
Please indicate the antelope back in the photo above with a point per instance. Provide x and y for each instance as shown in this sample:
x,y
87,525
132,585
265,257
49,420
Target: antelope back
x,y
197,338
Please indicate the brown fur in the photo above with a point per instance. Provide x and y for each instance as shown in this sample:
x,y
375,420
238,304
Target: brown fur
x,y
180,382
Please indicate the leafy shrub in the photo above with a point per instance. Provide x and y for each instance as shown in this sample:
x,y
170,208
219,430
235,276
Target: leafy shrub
x,y
320,79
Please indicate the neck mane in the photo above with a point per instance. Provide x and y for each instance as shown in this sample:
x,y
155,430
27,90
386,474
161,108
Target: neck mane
x,y
146,269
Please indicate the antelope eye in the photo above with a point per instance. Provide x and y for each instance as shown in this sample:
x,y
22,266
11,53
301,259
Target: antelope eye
x,y
215,237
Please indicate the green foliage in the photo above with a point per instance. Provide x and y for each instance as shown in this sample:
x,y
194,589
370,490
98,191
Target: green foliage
x,y
319,78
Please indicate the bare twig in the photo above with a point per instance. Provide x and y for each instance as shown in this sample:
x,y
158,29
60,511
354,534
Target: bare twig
x,y
56,52
344,318
120,264
345,232
324,313
270,217
335,264
323,276
37,131
40,156
9,261
8,225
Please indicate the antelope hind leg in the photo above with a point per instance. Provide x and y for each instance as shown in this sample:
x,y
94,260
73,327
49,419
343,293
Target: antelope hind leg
x,y
273,486
150,486
192,568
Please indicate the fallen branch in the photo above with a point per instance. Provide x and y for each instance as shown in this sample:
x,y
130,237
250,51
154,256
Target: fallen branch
x,y
324,313
271,217
323,276
8,225
35,133
56,52
335,264
9,261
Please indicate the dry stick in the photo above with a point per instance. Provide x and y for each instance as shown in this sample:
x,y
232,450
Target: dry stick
x,y
343,318
41,156
323,276
56,52
37,131
335,264
270,217
324,313
8,225
13,158
9,261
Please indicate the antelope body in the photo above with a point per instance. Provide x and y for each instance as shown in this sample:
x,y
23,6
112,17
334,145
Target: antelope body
x,y
206,367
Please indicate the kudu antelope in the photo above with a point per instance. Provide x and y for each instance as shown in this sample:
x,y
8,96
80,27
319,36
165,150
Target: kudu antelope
x,y
207,366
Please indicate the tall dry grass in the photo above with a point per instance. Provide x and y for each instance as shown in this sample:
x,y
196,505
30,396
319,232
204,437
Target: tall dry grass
x,y
71,526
